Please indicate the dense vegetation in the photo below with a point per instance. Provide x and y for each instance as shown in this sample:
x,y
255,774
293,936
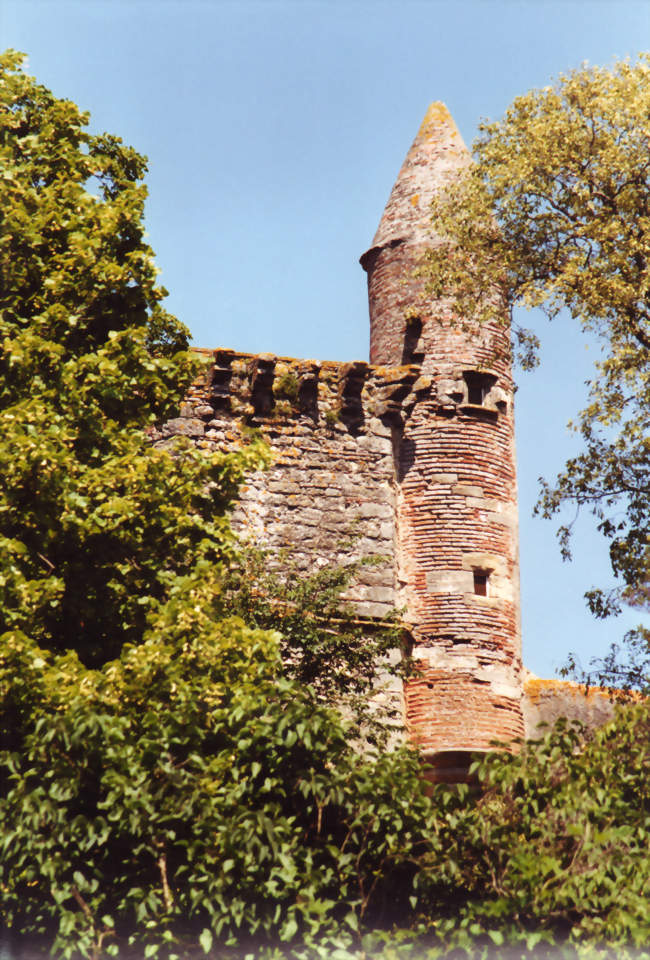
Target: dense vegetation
x,y
149,725
175,776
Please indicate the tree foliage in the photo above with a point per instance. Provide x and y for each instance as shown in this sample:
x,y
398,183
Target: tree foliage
x,y
547,860
167,780
555,213
188,797
188,794
351,663
94,523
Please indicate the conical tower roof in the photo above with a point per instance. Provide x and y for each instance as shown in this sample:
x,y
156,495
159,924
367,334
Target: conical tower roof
x,y
437,153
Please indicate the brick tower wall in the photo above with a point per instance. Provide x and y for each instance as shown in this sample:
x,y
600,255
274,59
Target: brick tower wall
x,y
457,496
457,518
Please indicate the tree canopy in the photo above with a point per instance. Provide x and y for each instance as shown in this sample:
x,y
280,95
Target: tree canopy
x,y
187,793
555,213
94,522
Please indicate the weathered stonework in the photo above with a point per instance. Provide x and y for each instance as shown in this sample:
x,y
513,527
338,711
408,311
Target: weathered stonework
x,y
545,701
329,496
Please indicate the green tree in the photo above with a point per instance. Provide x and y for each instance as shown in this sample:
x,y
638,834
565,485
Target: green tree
x,y
94,522
550,859
347,662
187,794
166,779
554,213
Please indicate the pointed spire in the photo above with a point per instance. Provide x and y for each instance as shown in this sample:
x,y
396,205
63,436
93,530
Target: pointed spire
x,y
436,154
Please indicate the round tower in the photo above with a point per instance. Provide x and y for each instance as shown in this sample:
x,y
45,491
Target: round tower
x,y
457,530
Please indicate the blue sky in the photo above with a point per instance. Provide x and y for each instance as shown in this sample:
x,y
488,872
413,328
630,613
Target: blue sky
x,y
275,129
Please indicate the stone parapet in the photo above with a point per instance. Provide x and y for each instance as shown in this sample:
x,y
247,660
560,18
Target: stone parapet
x,y
545,701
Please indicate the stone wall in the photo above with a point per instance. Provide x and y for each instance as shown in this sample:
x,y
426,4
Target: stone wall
x,y
545,701
343,485
328,497
386,465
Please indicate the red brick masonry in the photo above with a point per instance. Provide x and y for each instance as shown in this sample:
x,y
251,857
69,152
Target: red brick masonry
x,y
457,555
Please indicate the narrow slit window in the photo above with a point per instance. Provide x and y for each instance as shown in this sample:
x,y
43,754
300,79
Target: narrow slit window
x,y
412,352
481,578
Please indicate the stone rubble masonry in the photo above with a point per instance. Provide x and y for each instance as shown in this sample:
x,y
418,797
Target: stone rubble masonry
x,y
328,497
339,485
545,701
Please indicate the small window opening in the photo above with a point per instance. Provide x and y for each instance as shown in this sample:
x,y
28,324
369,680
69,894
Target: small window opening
x,y
481,578
412,352
478,386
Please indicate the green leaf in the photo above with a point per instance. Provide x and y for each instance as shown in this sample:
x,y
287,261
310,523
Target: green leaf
x,y
205,940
